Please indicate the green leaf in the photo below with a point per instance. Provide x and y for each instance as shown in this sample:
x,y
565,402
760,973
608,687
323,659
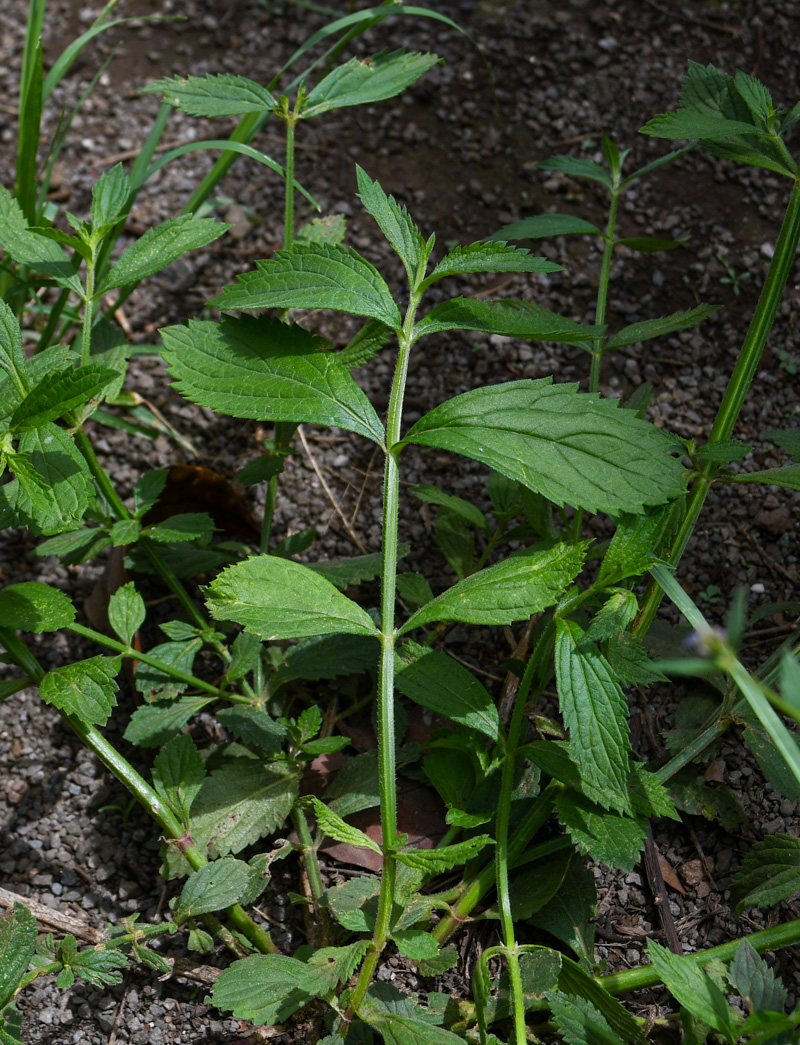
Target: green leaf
x,y
126,611
326,657
268,988
788,477
239,803
650,244
75,546
652,328
569,916
65,475
768,874
788,440
687,125
340,962
12,357
468,511
314,276
212,888
17,946
607,836
445,960
574,980
413,589
396,225
569,446
220,94
268,371
578,168
724,451
404,1030
510,590
329,229
433,861
254,727
157,684
280,599
178,774
86,689
35,607
535,886
596,714
456,539
694,989
347,902
35,252
650,797
57,394
546,226
755,981
110,198
97,967
159,247
579,1021
491,256
148,489
355,569
355,786
191,526
152,725
435,681
334,827
415,944
522,319
369,80
634,545
770,760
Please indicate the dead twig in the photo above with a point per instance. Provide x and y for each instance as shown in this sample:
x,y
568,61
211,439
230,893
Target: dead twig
x,y
331,496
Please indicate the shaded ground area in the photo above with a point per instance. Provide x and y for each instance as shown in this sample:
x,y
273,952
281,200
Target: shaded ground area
x,y
462,157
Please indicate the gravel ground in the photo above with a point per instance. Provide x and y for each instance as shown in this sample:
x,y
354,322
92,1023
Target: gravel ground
x,y
563,73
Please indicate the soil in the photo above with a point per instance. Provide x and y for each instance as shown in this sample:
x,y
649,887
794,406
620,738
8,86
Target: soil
x,y
461,154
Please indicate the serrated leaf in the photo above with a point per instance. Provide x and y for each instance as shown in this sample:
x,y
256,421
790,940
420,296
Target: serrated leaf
x,y
178,774
652,328
31,606
755,981
326,657
788,477
365,345
416,944
314,276
254,727
522,319
331,229
12,357
396,225
110,198
574,980
607,836
630,663
446,959
768,874
579,1021
347,902
126,611
280,599
724,451
468,511
26,248
545,226
124,532
413,589
159,247
157,684
577,167
571,447
212,888
694,989
213,95
435,681
788,440
596,714
239,803
355,786
688,125
152,725
490,256
59,393
770,760
268,988
650,797
365,81
340,962
433,861
510,590
99,967
75,546
17,947
86,689
190,526
266,370
148,489
634,545
355,569
334,827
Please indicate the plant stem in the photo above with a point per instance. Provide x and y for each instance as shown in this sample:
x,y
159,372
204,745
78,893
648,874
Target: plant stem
x,y
645,976
738,387
288,203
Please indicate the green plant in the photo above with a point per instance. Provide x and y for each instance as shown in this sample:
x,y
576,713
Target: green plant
x,y
732,278
271,621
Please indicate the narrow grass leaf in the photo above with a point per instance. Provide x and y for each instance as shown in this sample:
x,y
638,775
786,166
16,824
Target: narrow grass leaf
x,y
212,888
545,226
280,599
178,774
366,81
510,590
35,607
694,989
314,276
268,371
596,714
396,225
652,328
435,681
268,988
58,393
755,981
17,946
86,689
334,827
768,874
569,446
605,835
522,319
466,509
489,257
213,95
159,247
